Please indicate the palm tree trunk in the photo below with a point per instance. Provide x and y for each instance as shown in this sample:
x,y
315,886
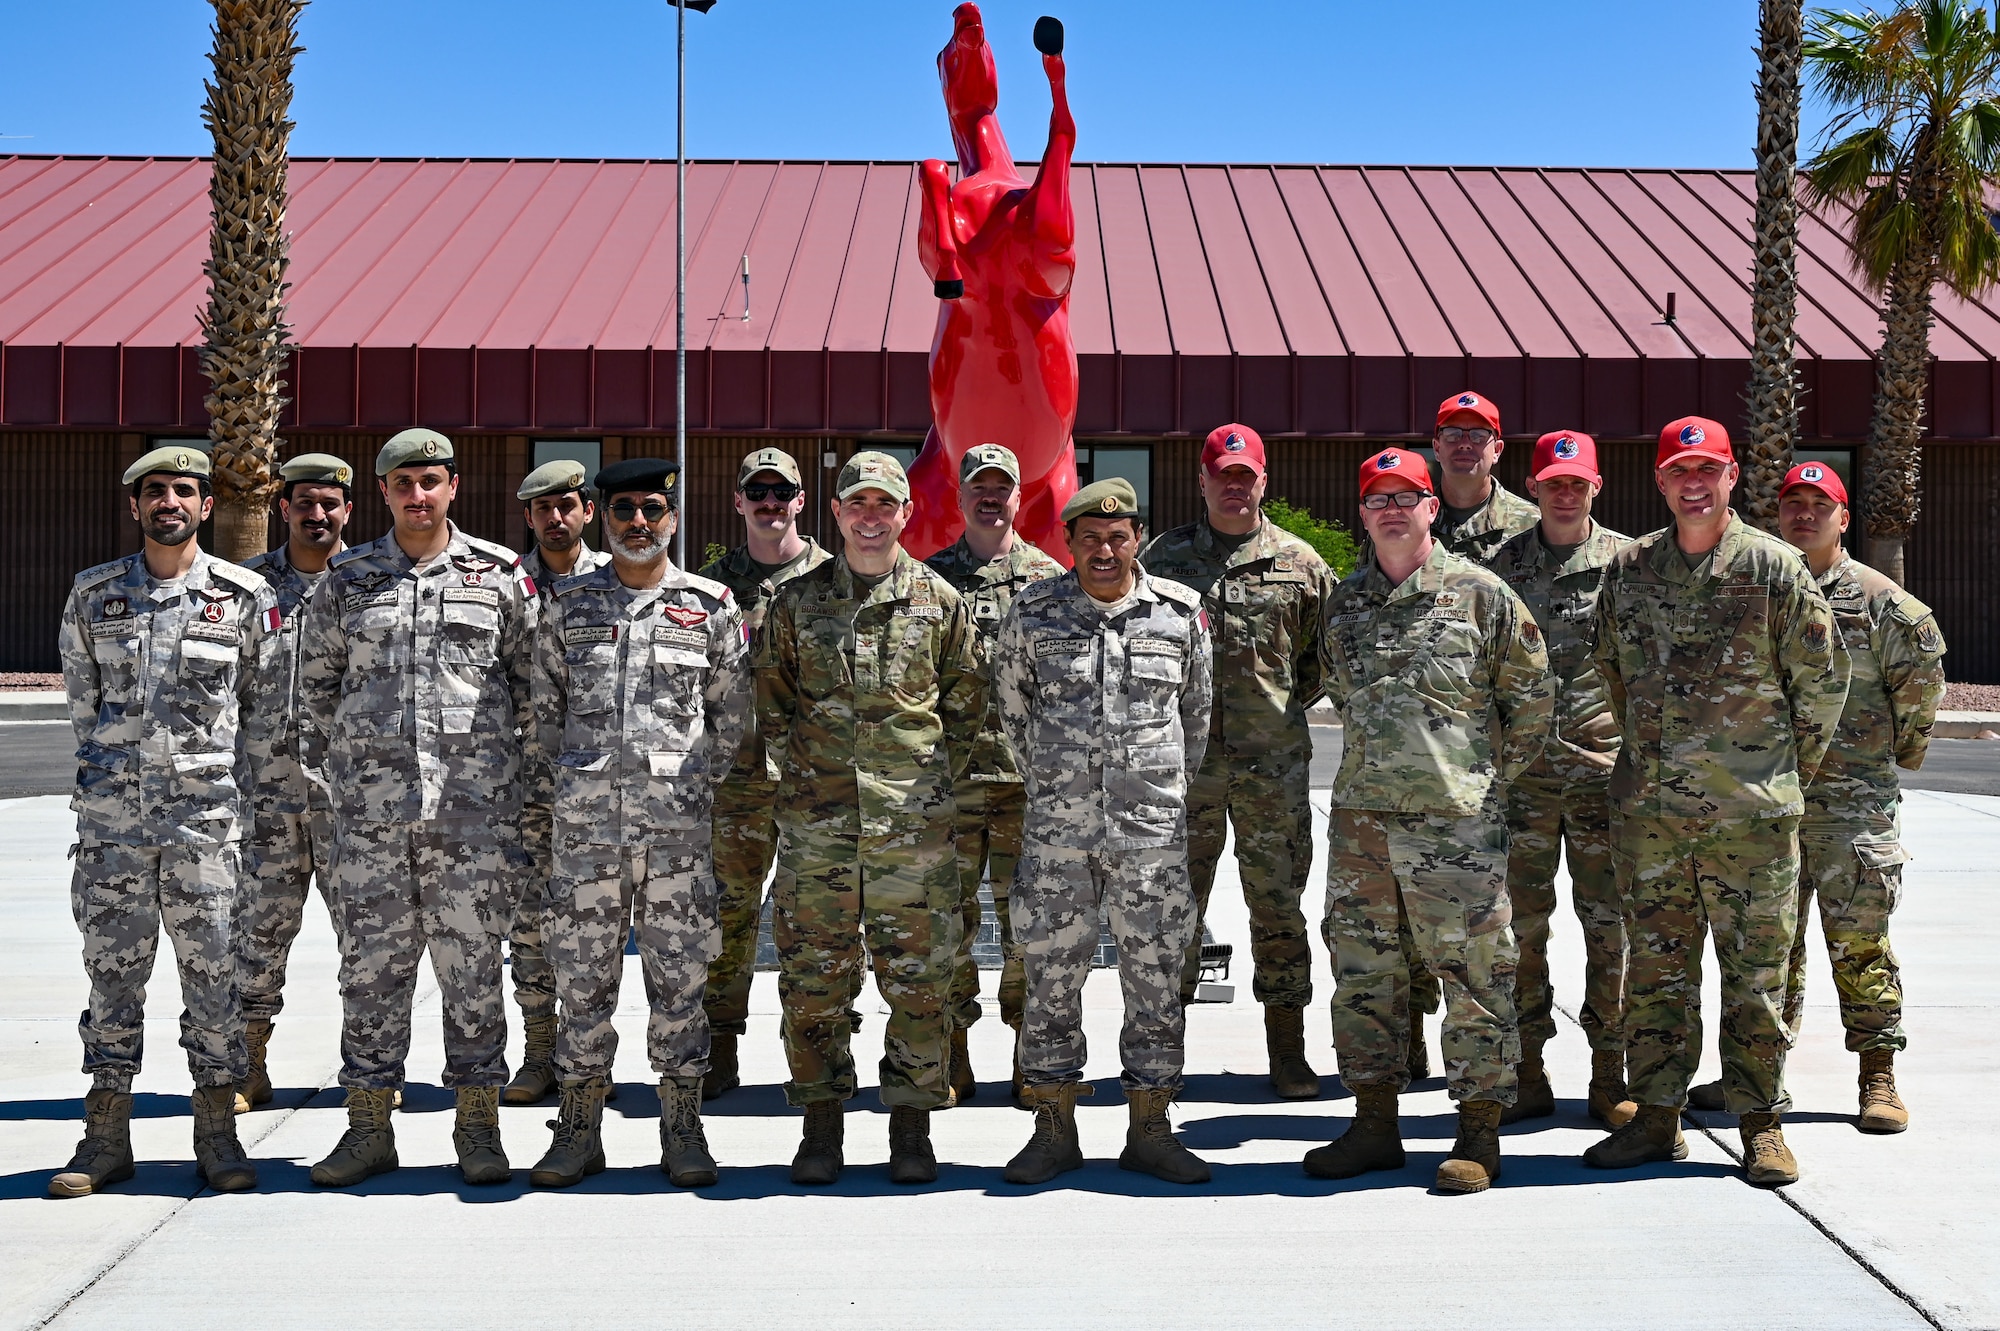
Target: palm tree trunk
x,y
1894,460
244,328
1771,401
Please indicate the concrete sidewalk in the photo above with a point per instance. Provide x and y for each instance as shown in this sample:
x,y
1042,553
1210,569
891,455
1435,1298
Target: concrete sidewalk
x,y
1882,1232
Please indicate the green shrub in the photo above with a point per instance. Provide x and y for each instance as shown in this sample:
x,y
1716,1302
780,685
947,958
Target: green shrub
x,y
712,552
1332,540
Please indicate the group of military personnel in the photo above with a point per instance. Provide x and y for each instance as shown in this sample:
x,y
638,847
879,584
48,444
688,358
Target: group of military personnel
x,y
565,750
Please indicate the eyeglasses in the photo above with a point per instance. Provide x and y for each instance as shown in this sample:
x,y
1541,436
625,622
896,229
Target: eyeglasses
x,y
1478,434
625,510
1375,503
782,491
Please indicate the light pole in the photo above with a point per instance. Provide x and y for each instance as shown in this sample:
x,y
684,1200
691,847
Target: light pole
x,y
681,7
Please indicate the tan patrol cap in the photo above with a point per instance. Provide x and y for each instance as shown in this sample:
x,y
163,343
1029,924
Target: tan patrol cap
x,y
997,456
552,478
769,459
873,471
173,460
317,469
1112,497
412,448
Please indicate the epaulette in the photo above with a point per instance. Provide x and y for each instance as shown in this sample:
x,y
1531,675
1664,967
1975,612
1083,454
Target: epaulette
x,y
1036,592
493,550
1169,590
349,555
708,587
258,563
569,582
105,572
248,579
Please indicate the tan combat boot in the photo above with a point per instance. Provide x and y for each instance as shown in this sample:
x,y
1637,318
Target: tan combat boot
x,y
1285,1044
963,1084
576,1150
1150,1144
684,1154
255,1088
537,1074
1708,1097
1054,1148
1372,1141
723,1074
1535,1098
1474,1162
911,1159
105,1153
219,1160
476,1137
367,1148
819,1159
1610,1102
1881,1108
1418,1059
1767,1161
1653,1136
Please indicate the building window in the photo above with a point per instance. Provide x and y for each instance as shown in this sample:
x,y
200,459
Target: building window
x,y
590,452
1132,463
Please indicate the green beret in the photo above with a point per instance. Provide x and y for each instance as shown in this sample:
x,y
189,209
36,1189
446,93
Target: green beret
x,y
995,456
873,471
552,478
769,459
412,448
173,460
318,468
1110,498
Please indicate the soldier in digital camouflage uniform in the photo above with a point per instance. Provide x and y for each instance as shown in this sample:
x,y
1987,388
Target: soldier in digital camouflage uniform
x,y
414,702
1850,840
1103,682
164,654
642,685
988,566
770,495
558,510
1265,592
1559,808
1719,656
871,690
1442,682
292,845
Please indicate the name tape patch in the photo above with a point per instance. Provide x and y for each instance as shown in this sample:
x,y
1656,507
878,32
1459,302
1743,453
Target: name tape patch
x,y
474,595
1152,647
923,611
673,635
369,599
211,632
584,635
1062,646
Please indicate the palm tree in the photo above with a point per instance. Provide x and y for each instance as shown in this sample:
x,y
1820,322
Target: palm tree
x,y
1915,140
1772,399
245,336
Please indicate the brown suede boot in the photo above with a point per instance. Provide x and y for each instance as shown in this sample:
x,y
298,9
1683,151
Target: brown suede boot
x,y
1882,1109
537,1074
576,1146
1372,1141
723,1074
1474,1162
963,1084
367,1148
1150,1144
1054,1148
1653,1135
684,1154
1285,1044
219,1160
1610,1103
105,1154
476,1137
1767,1161
255,1088
1535,1098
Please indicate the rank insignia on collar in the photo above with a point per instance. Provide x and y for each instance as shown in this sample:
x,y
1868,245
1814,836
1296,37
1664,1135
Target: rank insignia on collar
x,y
1446,600
1282,566
684,616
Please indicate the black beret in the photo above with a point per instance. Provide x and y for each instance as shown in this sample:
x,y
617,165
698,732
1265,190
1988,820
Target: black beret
x,y
638,476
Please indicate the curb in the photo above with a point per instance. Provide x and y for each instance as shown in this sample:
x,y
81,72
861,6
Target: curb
x,y
34,705
1964,725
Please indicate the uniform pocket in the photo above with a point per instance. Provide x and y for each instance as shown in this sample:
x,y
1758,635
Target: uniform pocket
x,y
207,783
593,676
471,630
1882,868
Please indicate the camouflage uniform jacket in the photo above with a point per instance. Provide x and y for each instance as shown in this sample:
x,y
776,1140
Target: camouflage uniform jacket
x,y
545,578
1893,693
1266,602
413,686
752,592
1563,599
168,697
537,785
1499,520
283,786
639,697
1726,679
1442,684
989,587
871,697
1108,713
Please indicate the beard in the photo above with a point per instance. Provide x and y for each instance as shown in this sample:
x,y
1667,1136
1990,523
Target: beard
x,y
169,536
649,553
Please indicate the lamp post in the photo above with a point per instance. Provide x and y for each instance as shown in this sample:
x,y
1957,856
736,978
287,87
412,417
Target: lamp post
x,y
681,7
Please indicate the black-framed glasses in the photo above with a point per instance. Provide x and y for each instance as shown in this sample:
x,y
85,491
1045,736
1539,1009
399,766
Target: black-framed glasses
x,y
625,510
1375,503
1478,434
782,491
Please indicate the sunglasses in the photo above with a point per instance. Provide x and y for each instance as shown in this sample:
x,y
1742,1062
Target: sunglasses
x,y
1375,503
625,510
782,491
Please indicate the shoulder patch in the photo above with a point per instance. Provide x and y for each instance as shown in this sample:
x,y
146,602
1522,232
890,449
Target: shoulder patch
x,y
708,587
102,573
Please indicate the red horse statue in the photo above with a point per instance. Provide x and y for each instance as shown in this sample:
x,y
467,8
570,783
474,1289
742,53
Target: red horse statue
x,y
1001,253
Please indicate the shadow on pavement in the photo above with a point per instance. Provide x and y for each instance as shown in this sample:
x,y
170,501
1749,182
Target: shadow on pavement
x,y
146,1104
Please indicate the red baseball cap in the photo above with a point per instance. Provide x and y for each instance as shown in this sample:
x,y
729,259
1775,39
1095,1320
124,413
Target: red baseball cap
x,y
1816,476
1693,435
1233,446
1391,462
1473,403
1565,453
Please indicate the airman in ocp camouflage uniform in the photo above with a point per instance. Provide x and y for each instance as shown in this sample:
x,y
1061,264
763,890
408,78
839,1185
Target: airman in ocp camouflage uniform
x,y
1719,656
1442,681
871,689
1265,592
164,654
414,701
1103,682
988,566
641,690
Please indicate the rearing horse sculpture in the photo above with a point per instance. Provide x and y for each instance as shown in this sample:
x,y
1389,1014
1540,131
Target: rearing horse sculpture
x,y
1000,253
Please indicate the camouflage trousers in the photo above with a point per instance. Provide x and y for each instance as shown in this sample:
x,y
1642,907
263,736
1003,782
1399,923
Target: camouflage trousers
x,y
121,896
1060,895
1264,799
665,891
1549,818
899,894
289,853
1679,879
1854,869
745,843
527,959
446,888
1445,879
989,843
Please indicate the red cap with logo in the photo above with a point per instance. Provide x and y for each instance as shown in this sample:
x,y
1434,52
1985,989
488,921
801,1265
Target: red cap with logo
x,y
1395,462
1693,436
1817,476
1473,403
1565,453
1233,446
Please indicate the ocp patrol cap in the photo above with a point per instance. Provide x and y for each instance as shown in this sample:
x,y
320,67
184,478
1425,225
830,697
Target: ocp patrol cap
x,y
873,471
552,478
413,448
1112,497
173,460
317,469
996,456
769,459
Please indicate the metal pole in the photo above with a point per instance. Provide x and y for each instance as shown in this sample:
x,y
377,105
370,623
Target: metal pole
x,y
681,277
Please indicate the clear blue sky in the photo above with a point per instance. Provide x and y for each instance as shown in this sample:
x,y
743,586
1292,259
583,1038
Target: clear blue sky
x,y
1539,82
